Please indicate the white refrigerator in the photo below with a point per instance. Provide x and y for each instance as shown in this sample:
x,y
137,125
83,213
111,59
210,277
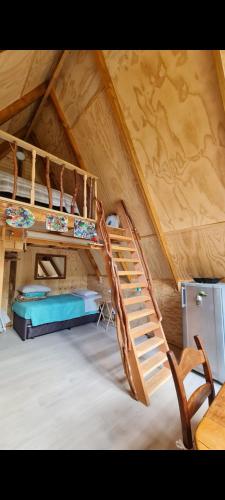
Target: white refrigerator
x,y
203,314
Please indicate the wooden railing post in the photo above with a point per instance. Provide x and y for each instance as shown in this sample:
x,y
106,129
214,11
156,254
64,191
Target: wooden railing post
x,y
95,199
48,182
85,197
61,187
15,169
2,262
32,193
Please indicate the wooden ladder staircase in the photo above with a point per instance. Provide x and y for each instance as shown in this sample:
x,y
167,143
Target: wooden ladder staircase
x,y
146,355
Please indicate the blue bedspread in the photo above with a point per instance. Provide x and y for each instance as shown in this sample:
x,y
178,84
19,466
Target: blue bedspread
x,y
53,308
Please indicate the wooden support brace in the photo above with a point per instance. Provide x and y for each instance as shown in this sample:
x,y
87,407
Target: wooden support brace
x,y
48,182
74,199
32,194
85,197
15,169
2,262
61,188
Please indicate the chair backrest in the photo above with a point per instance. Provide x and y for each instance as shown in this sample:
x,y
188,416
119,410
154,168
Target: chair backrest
x,y
190,358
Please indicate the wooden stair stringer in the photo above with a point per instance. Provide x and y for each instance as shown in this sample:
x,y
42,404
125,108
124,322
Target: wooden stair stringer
x,y
127,280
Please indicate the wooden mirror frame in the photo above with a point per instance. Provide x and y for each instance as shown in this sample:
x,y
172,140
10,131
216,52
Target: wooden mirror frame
x,y
37,260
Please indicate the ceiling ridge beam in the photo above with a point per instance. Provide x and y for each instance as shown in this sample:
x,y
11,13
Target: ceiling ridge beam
x,y
23,102
52,82
135,163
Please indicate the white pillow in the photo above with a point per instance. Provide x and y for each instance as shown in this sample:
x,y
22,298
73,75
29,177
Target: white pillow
x,y
34,288
84,292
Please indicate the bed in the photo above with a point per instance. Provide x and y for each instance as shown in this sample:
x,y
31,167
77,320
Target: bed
x,y
41,193
54,313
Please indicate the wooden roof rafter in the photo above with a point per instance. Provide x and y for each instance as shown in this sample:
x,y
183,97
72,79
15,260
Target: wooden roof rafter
x,y
20,104
53,79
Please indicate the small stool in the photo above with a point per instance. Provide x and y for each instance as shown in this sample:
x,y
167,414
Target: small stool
x,y
109,317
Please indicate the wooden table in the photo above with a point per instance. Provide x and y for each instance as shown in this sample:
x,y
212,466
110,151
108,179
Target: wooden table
x,y
210,433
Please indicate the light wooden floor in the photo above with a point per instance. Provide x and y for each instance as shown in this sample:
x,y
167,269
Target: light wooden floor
x,y
67,391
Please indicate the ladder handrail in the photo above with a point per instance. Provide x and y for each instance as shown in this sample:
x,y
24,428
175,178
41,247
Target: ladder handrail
x,y
122,322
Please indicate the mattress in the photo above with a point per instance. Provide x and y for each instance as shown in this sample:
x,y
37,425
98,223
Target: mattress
x,y
52,309
41,192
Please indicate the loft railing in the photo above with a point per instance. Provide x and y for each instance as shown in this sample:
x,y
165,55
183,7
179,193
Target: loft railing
x,y
88,211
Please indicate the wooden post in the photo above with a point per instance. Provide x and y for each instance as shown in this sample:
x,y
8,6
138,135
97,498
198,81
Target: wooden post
x,y
61,188
15,163
85,197
2,262
32,193
95,200
48,182
90,198
74,193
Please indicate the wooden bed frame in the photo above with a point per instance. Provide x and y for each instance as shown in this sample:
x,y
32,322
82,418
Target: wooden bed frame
x,y
26,331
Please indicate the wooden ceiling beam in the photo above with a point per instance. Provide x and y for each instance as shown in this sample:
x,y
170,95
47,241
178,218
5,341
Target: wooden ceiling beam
x,y
135,163
68,130
5,146
22,103
52,82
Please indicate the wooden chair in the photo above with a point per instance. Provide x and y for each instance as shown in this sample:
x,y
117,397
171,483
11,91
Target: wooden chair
x,y
190,358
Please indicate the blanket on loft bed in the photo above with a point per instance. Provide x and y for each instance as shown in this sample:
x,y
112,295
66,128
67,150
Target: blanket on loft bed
x,y
41,192
52,309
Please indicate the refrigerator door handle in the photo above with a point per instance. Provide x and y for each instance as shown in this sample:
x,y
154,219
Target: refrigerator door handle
x,y
183,297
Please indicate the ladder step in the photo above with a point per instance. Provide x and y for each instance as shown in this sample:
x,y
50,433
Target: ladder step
x,y
121,259
120,237
148,345
119,248
116,230
138,331
158,380
136,300
139,314
130,273
129,286
150,364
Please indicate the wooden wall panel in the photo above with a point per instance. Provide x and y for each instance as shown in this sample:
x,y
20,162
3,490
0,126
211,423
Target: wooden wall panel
x,y
14,68
76,275
5,291
199,252
104,154
159,268
78,83
169,302
174,113
52,137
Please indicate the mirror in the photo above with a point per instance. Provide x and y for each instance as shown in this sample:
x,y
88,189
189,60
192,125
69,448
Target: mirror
x,y
49,266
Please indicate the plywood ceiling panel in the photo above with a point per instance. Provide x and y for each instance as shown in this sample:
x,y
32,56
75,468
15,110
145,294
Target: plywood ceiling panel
x,y
43,63
79,81
173,110
21,119
14,68
51,135
103,152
